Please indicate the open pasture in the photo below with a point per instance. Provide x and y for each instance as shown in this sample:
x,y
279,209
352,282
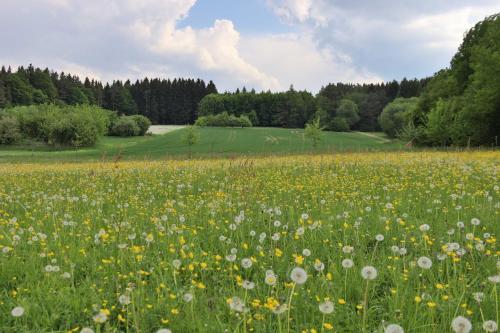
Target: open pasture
x,y
341,243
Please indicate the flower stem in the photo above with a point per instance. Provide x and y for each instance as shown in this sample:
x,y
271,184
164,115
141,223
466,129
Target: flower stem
x,y
290,307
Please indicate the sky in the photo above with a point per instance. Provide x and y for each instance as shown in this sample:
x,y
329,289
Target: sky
x,y
260,44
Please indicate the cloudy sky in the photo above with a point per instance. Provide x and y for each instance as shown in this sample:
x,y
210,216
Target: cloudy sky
x,y
264,44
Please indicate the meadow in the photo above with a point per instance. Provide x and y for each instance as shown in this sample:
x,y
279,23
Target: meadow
x,y
213,142
373,242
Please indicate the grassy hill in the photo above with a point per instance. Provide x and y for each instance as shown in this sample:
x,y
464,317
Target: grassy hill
x,y
213,142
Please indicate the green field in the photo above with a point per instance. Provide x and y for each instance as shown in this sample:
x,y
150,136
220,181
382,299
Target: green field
x,y
213,142
351,243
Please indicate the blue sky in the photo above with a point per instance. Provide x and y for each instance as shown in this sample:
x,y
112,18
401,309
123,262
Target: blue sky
x,y
253,16
261,44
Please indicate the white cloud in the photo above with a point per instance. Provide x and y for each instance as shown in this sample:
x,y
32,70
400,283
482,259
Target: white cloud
x,y
446,30
393,38
296,60
139,34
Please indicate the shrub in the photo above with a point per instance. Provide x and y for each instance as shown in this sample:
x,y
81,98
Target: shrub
x,y
396,115
125,126
9,130
62,125
339,124
224,120
142,122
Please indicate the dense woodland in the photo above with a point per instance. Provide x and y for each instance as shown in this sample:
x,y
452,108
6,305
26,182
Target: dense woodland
x,y
162,101
459,105
181,101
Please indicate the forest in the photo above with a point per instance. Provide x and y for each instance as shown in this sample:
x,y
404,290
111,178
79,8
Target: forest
x,y
459,105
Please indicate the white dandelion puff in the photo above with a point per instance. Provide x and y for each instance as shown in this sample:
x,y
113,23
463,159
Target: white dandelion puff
x,y
369,273
326,307
298,275
461,325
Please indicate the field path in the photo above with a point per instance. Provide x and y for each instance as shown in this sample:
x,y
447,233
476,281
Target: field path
x,y
163,129
376,137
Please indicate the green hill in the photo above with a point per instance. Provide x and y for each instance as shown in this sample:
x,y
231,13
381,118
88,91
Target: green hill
x,y
213,142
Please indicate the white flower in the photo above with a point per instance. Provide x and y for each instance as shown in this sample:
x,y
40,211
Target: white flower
x,y
306,252
494,279
347,249
188,297
231,257
369,273
280,309
319,266
18,311
393,328
461,325
236,304
490,326
379,237
424,227
246,263
248,285
326,307
87,330
478,296
395,249
176,263
270,279
424,263
403,251
124,299
298,275
164,330
100,318
347,263
475,221
304,216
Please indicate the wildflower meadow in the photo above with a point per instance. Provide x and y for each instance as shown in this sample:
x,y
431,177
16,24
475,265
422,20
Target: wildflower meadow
x,y
374,242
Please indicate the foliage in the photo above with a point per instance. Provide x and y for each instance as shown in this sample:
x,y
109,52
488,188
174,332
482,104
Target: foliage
x,y
223,120
191,136
291,109
465,97
9,130
68,125
314,132
125,126
339,124
349,111
396,114
142,123
162,101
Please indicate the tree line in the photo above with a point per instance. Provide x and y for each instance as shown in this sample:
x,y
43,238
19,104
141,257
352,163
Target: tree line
x,y
340,107
162,101
460,105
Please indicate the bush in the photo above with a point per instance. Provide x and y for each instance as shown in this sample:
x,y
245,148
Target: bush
x,y
396,115
224,120
125,126
9,130
339,124
142,122
62,125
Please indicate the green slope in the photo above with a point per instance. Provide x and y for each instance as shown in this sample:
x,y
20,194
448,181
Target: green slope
x,y
213,142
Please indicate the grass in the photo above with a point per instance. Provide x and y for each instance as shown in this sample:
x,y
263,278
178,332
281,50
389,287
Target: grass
x,y
213,142
209,246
